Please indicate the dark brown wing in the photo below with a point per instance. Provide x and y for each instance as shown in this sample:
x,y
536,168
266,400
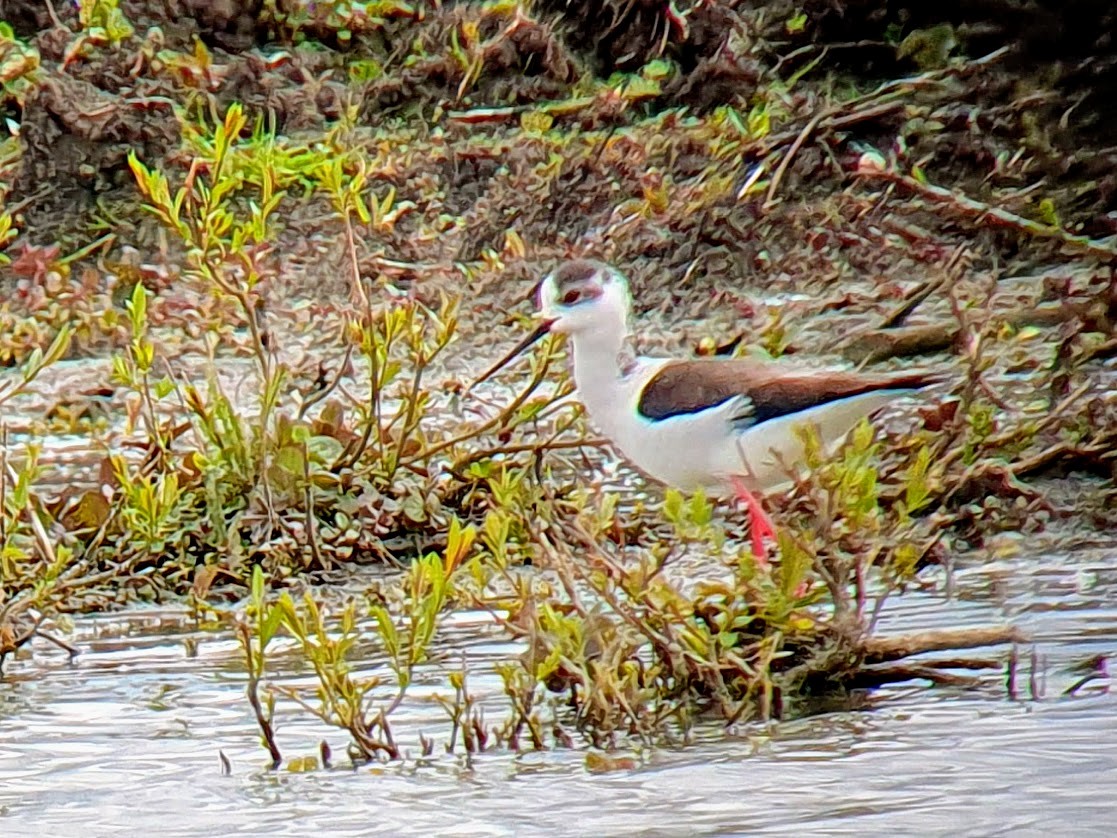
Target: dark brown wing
x,y
770,389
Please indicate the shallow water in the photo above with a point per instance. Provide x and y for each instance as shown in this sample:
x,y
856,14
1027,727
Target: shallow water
x,y
125,742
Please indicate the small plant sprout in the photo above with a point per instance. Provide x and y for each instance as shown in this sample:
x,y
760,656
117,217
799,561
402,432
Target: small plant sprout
x,y
404,631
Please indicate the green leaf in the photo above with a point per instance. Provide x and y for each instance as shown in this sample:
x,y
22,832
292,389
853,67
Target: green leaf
x,y
270,625
164,387
290,459
325,449
257,587
701,510
657,70
759,122
862,436
137,308
387,630
673,506
59,346
794,563
458,543
1047,212
796,23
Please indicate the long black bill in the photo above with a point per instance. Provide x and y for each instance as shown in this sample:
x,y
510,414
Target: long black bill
x,y
536,333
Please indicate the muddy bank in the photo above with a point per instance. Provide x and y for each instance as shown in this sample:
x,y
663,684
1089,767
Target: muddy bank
x,y
448,88
787,177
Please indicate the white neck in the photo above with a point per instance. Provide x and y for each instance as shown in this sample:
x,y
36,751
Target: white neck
x,y
598,371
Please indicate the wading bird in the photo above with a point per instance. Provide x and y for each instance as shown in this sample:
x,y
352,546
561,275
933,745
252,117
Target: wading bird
x,y
715,424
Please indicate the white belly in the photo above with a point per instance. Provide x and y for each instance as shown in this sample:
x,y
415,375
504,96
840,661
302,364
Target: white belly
x,y
688,452
707,450
681,451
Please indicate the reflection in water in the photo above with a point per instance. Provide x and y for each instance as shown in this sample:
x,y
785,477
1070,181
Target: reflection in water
x,y
126,742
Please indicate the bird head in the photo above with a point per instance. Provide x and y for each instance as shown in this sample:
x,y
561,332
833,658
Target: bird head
x,y
580,297
584,297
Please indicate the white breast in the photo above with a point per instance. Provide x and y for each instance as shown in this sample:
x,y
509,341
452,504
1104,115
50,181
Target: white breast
x,y
681,451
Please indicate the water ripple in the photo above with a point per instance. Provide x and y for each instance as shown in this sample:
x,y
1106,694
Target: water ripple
x,y
125,741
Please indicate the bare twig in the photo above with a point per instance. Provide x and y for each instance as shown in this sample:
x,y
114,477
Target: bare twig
x,y
880,344
983,213
777,177
949,272
252,690
875,676
883,649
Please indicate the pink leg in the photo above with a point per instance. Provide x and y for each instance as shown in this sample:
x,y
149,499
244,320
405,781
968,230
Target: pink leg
x,y
760,525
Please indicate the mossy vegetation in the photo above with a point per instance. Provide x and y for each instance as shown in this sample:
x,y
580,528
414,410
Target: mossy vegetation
x,y
288,226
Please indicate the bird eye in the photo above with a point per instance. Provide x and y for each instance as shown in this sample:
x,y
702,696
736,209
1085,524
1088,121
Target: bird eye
x,y
571,297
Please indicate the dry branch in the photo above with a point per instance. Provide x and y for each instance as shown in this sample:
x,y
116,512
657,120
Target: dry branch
x,y
884,649
878,676
983,213
877,344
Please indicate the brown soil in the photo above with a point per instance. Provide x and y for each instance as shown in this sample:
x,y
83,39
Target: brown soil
x,y
1047,100
860,112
